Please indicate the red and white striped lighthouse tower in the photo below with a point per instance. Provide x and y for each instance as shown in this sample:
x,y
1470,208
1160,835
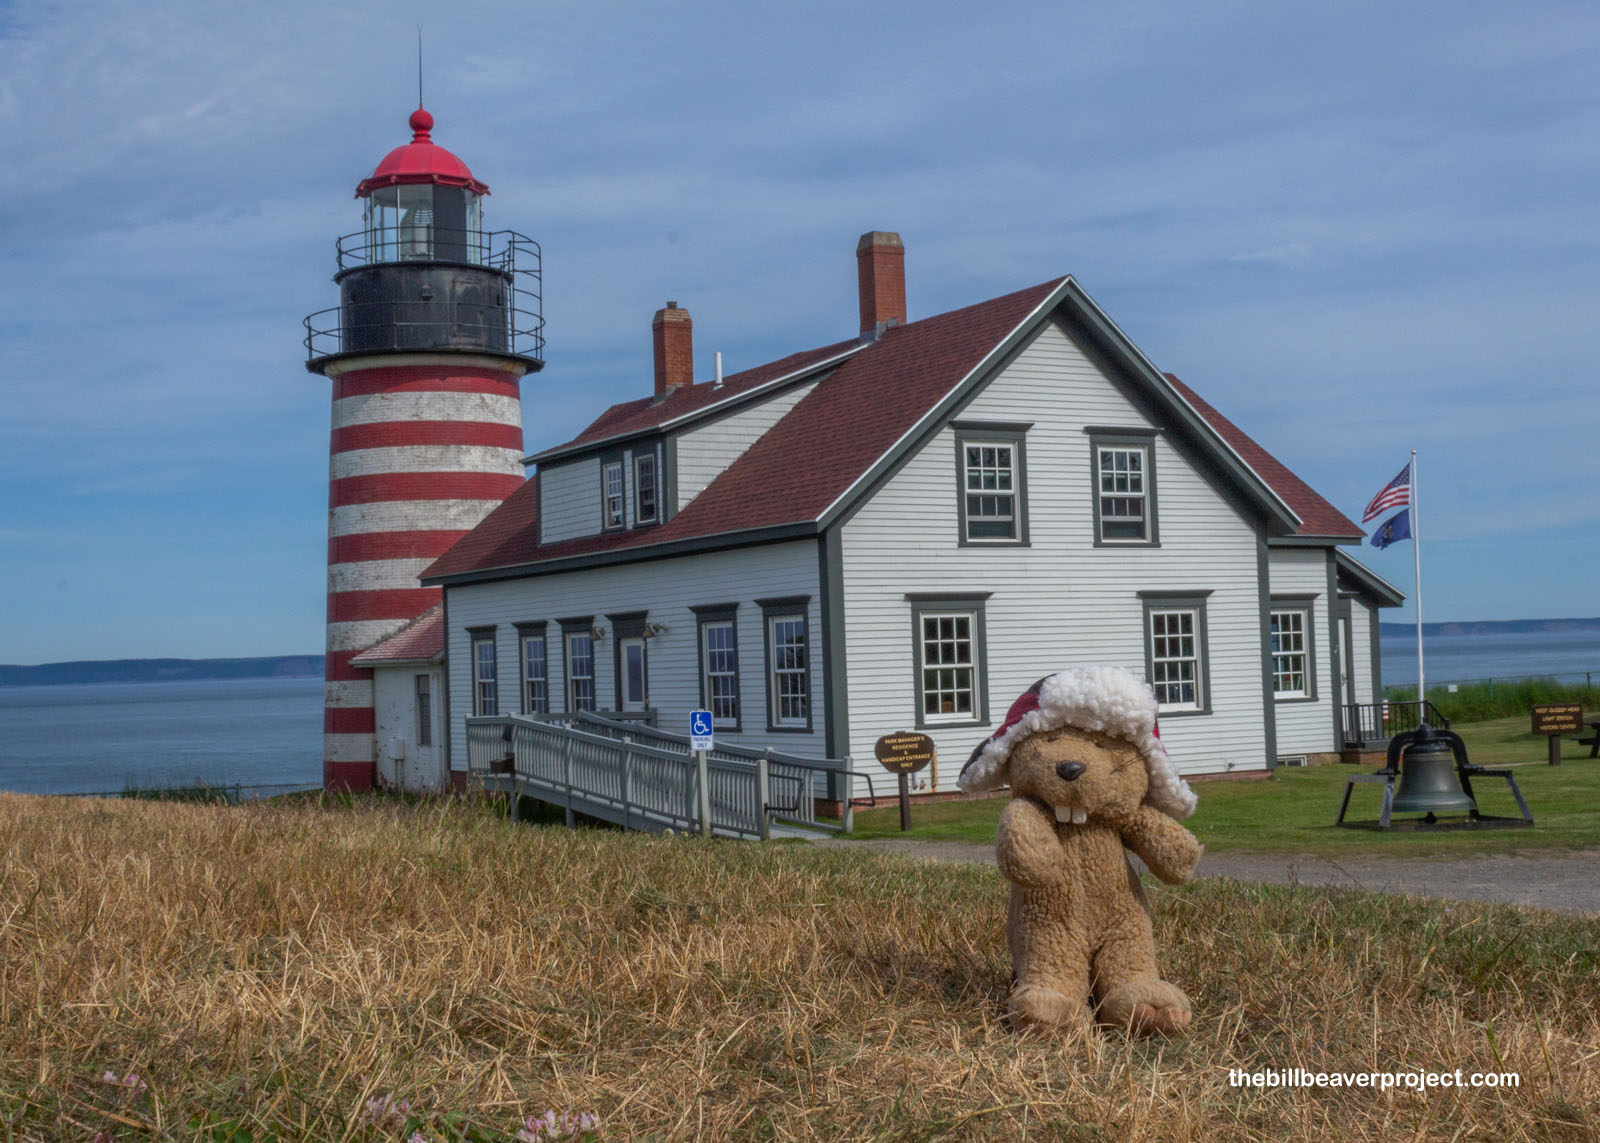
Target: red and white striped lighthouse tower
x,y
437,323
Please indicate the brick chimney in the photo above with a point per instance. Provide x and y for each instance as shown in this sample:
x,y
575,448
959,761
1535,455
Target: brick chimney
x,y
672,331
881,273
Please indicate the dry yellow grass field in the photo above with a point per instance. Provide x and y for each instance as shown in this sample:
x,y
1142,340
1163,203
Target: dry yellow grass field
x,y
266,971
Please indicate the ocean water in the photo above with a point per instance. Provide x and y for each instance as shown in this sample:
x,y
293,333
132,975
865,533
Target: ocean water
x,y
1566,655
106,736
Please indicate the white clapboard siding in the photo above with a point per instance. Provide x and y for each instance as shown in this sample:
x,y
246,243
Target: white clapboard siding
x,y
1305,726
1061,602
569,499
1361,623
667,589
704,453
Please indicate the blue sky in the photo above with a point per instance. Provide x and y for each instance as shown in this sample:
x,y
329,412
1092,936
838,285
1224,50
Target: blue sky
x,y
1357,229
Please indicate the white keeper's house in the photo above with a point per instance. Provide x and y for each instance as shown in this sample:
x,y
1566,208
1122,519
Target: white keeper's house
x,y
904,530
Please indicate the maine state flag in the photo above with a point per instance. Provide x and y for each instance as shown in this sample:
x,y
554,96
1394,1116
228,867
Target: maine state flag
x,y
1397,527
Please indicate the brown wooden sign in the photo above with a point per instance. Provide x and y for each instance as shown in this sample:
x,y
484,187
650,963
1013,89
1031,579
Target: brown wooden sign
x,y
904,753
1558,718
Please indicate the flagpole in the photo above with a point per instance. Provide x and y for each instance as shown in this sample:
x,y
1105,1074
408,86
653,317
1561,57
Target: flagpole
x,y
1416,559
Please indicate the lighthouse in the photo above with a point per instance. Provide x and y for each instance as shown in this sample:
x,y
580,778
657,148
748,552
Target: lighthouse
x,y
438,320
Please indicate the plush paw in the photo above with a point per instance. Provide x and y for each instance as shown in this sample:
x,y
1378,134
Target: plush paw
x,y
1147,1007
1033,1008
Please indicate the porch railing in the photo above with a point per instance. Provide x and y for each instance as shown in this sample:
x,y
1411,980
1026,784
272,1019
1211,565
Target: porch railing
x,y
1371,724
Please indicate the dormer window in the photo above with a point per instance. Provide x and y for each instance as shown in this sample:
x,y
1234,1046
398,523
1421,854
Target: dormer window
x,y
644,488
615,501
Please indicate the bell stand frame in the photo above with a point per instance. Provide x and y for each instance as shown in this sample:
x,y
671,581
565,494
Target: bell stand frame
x,y
1465,771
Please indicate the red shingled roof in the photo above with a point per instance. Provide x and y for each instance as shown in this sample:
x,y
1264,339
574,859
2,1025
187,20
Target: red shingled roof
x,y
791,475
417,642
648,413
1317,516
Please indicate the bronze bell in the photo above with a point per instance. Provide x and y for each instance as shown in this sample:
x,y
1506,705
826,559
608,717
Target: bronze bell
x,y
1428,782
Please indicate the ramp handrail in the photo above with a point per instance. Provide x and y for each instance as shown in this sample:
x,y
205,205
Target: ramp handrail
x,y
792,769
644,778
635,784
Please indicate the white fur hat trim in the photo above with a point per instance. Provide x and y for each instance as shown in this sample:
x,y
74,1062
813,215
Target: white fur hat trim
x,y
1110,700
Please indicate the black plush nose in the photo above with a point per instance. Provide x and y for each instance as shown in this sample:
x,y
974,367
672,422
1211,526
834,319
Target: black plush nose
x,y
1069,771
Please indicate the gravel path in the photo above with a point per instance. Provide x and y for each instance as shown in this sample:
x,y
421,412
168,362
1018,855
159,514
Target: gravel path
x,y
1567,881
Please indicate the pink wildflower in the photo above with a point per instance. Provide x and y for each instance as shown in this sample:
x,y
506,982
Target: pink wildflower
x,y
387,1111
132,1082
550,1126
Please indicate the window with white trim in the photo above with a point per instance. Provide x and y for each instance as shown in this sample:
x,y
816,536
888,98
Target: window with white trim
x,y
719,661
992,482
1176,658
580,671
947,656
1291,653
644,488
611,483
1123,492
789,685
949,666
535,673
991,490
485,691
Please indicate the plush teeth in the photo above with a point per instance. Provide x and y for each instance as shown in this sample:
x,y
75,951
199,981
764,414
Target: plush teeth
x,y
1071,815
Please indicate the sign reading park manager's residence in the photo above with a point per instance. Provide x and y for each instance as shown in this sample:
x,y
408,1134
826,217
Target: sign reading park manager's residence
x,y
904,753
1558,718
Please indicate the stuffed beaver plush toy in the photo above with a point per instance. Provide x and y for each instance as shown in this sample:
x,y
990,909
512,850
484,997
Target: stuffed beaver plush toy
x,y
1088,777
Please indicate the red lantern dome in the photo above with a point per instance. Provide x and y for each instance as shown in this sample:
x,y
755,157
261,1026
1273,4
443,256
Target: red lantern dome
x,y
420,161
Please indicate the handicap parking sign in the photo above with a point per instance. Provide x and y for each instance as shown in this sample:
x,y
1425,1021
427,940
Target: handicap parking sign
x,y
700,730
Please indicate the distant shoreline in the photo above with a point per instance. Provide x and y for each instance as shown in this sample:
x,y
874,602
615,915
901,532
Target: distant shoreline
x,y
160,670
1492,627
311,666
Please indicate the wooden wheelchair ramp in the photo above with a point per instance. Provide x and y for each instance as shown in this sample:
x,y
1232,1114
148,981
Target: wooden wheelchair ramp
x,y
641,778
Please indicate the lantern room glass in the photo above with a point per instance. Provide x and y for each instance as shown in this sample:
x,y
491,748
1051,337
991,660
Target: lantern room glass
x,y
424,222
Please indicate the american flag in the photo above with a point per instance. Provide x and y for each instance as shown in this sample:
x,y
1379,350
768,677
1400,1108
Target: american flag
x,y
1394,494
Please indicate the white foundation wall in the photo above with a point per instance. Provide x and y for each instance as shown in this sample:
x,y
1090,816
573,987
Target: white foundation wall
x,y
1305,726
666,589
704,453
403,762
1062,601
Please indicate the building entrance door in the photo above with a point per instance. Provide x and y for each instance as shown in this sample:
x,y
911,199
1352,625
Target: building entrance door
x,y
1347,672
632,682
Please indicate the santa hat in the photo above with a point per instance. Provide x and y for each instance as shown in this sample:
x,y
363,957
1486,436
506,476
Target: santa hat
x,y
1111,700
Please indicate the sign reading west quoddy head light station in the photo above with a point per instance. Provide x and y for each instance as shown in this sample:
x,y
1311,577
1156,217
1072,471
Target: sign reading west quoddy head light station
x,y
1558,718
1555,719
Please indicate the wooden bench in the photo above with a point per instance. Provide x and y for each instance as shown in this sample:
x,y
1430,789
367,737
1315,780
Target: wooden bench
x,y
1593,741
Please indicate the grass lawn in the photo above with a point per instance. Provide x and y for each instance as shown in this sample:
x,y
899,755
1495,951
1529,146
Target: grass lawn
x,y
1294,810
366,970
